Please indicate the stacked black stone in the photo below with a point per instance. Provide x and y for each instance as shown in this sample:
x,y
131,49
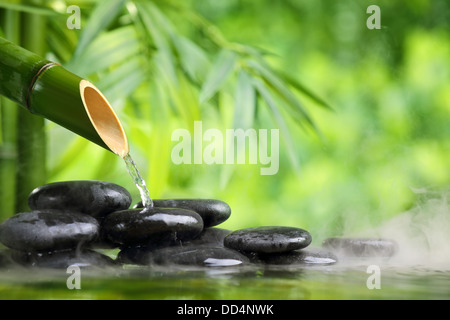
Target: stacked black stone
x,y
69,220
173,232
63,223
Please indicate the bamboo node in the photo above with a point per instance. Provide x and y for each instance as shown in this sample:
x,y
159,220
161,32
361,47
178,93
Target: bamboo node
x,y
35,78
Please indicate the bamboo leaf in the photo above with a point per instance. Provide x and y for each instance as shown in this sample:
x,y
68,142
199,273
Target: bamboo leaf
x,y
116,76
61,41
122,81
306,91
102,16
283,91
219,72
193,59
107,50
161,20
266,95
245,101
256,52
164,56
29,9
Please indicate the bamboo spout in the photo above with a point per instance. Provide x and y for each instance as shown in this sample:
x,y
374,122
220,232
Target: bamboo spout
x,y
47,89
103,118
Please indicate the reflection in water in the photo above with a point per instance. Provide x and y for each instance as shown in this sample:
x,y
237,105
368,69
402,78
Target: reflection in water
x,y
344,280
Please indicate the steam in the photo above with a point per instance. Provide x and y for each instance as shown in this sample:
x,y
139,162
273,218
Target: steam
x,y
422,233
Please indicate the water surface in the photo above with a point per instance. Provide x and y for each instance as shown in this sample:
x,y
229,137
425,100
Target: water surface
x,y
346,280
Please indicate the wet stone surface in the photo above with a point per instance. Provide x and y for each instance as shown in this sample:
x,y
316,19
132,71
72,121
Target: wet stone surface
x,y
270,239
202,255
152,226
361,247
44,230
213,212
304,257
96,198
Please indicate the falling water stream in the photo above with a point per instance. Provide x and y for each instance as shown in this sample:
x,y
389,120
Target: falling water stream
x,y
147,202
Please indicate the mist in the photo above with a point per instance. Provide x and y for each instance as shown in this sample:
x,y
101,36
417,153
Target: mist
x,y
422,233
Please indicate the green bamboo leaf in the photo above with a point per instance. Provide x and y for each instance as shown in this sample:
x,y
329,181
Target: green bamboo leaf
x,y
182,101
116,76
245,101
107,50
306,91
193,59
102,16
164,58
161,19
256,52
267,96
283,91
219,72
61,41
122,81
29,9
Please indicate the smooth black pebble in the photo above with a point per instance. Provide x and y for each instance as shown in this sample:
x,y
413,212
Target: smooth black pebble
x,y
213,212
268,239
96,198
44,230
361,247
303,257
152,226
203,256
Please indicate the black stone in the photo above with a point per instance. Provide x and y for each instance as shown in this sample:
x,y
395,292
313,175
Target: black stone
x,y
303,257
204,256
96,198
361,247
103,242
64,259
44,230
268,239
213,212
152,226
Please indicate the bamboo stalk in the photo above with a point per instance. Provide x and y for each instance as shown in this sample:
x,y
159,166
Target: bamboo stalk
x,y
8,149
49,90
31,139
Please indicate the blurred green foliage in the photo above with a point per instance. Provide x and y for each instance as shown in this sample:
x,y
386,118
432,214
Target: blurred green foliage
x,y
165,64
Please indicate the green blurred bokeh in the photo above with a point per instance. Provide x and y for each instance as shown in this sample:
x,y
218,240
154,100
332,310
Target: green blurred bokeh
x,y
387,136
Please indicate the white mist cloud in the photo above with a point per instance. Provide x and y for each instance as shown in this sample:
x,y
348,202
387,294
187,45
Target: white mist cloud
x,y
422,233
